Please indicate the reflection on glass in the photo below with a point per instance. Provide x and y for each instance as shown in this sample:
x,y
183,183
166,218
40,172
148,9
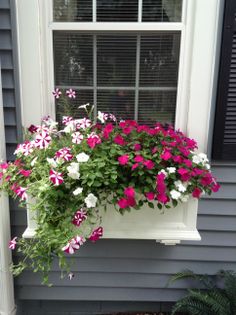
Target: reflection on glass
x,y
117,10
118,102
159,59
157,106
116,60
73,58
162,10
72,10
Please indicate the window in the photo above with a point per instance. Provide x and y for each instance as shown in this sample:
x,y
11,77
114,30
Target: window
x,y
133,75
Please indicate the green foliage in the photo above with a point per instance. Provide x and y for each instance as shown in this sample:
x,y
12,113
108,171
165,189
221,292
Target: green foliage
x,y
209,299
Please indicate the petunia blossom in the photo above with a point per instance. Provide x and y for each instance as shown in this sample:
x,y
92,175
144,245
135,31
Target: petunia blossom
x,y
150,195
77,191
56,93
25,173
42,140
96,234
82,157
123,159
119,140
21,192
91,201
70,93
129,192
77,137
12,243
196,192
73,245
56,178
73,170
93,140
65,154
79,217
149,164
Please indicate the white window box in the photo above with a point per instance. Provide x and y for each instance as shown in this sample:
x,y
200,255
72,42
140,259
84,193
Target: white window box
x,y
167,226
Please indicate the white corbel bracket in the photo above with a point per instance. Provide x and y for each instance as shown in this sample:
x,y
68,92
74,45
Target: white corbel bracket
x,y
168,242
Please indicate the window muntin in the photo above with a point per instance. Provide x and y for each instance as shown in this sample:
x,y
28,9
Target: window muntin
x,y
132,74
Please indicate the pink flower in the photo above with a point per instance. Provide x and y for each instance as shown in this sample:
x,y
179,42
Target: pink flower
x,y
70,93
119,140
77,137
56,178
33,128
56,93
196,192
112,117
21,192
93,140
177,159
215,187
123,203
131,202
26,148
187,162
137,147
107,130
79,217
185,174
42,140
4,166
134,166
163,198
166,155
129,192
150,195
12,243
127,130
149,164
66,120
96,234
65,154
138,158
123,159
25,173
206,179
83,123
73,245
161,188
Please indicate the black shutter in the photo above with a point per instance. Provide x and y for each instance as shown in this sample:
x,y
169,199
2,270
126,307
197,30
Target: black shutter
x,y
224,141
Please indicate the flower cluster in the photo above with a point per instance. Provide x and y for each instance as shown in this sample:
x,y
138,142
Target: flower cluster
x,y
71,173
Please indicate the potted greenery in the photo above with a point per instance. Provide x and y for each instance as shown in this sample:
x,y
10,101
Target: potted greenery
x,y
73,172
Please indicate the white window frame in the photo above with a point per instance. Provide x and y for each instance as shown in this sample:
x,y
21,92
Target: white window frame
x,y
198,54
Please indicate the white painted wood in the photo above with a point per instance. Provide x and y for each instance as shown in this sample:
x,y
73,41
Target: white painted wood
x,y
7,304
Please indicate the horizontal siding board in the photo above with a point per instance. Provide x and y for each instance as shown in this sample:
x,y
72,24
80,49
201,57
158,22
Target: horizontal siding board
x,y
4,4
6,59
7,79
217,223
217,207
225,174
11,134
5,42
9,117
226,192
5,19
9,98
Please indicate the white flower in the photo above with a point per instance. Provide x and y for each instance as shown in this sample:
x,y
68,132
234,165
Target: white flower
x,y
73,170
180,186
171,170
200,158
163,172
84,106
34,161
82,157
102,117
175,194
52,162
78,191
69,127
91,201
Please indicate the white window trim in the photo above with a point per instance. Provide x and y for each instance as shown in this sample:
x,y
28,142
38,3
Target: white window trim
x,y
199,29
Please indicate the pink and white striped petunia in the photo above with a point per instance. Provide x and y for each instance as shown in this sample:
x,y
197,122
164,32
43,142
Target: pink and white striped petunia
x,y
12,243
56,178
83,123
77,137
70,93
25,148
73,245
79,217
42,140
66,120
96,234
21,192
65,154
56,93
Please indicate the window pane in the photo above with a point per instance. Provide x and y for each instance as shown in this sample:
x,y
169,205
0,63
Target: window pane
x,y
118,102
72,10
73,59
159,60
82,97
162,10
117,10
157,106
116,60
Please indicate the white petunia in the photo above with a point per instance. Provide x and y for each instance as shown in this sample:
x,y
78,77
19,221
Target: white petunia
x,y
78,191
73,170
84,106
171,170
180,186
175,194
200,158
82,157
70,127
52,162
91,201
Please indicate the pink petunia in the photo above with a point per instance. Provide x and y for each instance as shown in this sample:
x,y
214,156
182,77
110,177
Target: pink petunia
x,y
206,179
166,155
138,158
42,140
177,159
127,130
163,198
73,245
33,129
96,234
150,195
4,166
70,93
129,192
196,192
137,147
215,187
134,166
77,137
25,173
149,164
185,174
65,154
79,217
123,203
66,120
26,148
21,192
107,130
119,140
93,140
56,178
56,93
12,243
123,159
83,123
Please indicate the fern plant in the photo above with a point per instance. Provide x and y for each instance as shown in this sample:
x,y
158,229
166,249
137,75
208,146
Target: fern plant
x,y
209,299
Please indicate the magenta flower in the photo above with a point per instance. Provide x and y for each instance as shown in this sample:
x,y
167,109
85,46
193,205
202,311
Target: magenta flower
x,y
196,192
66,120
107,130
96,234
25,173
4,166
42,140
137,147
83,123
70,93
185,175
65,154
77,137
79,217
129,192
149,164
138,158
119,140
134,166
12,243
26,148
166,155
33,128
56,178
21,192
123,203
150,195
123,159
93,140
215,187
73,245
56,93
